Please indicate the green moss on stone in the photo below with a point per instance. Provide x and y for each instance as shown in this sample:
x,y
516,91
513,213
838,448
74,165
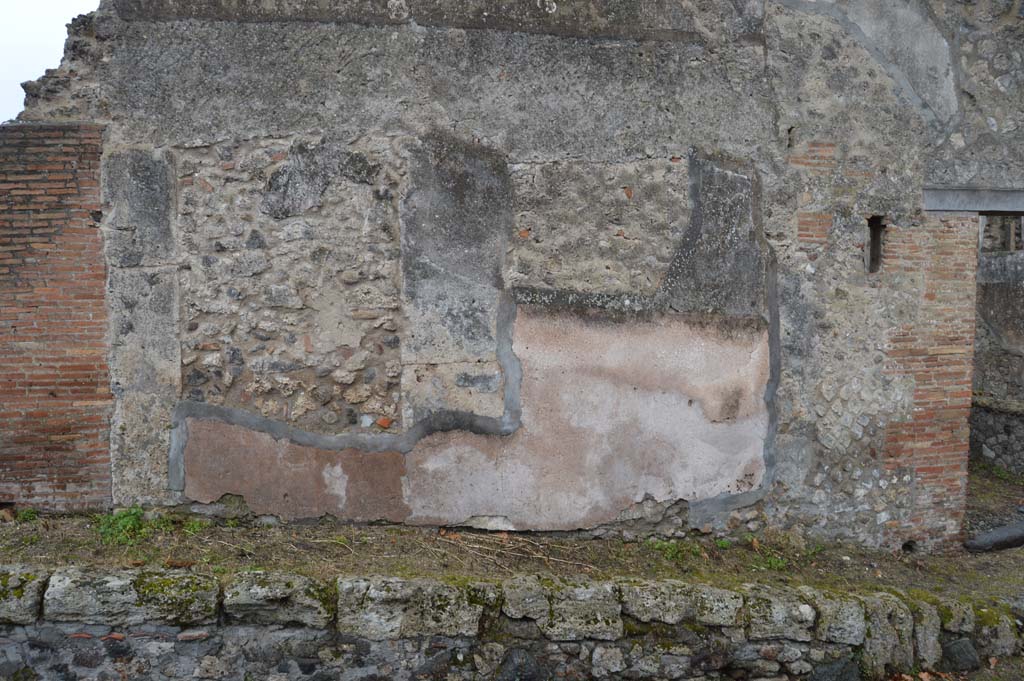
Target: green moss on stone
x,y
19,581
324,594
176,597
991,615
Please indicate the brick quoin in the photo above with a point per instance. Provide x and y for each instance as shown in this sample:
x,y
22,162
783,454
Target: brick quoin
x,y
937,351
934,348
55,401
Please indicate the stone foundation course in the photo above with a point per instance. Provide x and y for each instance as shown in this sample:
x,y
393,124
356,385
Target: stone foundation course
x,y
175,624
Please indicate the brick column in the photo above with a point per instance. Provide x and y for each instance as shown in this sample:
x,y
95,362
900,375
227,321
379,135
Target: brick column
x,y
937,351
55,398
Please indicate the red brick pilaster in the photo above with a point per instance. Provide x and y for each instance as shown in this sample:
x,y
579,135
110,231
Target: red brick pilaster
x,y
936,349
55,398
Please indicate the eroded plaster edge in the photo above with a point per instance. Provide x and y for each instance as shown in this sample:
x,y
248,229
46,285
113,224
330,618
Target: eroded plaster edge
x,y
714,511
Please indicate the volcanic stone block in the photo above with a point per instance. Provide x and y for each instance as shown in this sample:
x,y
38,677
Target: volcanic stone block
x,y
779,614
569,611
1005,537
673,602
137,186
131,597
721,263
389,608
146,354
890,634
456,220
277,598
299,185
960,656
840,620
21,594
927,630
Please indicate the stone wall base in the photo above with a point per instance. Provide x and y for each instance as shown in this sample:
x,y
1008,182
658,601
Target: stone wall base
x,y
267,625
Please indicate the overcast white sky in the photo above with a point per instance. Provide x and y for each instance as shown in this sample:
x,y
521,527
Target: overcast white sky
x,y
32,34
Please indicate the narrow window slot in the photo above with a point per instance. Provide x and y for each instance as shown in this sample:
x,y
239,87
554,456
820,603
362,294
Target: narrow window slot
x,y
876,228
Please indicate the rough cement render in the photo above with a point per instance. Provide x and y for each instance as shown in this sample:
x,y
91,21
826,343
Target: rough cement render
x,y
331,169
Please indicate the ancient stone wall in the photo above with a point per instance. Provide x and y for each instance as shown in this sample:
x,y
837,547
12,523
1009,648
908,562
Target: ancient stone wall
x,y
55,397
277,626
591,265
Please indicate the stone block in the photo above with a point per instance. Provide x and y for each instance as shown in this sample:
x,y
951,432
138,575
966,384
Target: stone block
x,y
145,355
779,614
131,597
566,610
673,602
525,598
384,608
957,616
456,221
927,630
720,265
890,635
138,451
840,670
21,594
299,185
840,620
278,598
998,637
137,193
960,655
